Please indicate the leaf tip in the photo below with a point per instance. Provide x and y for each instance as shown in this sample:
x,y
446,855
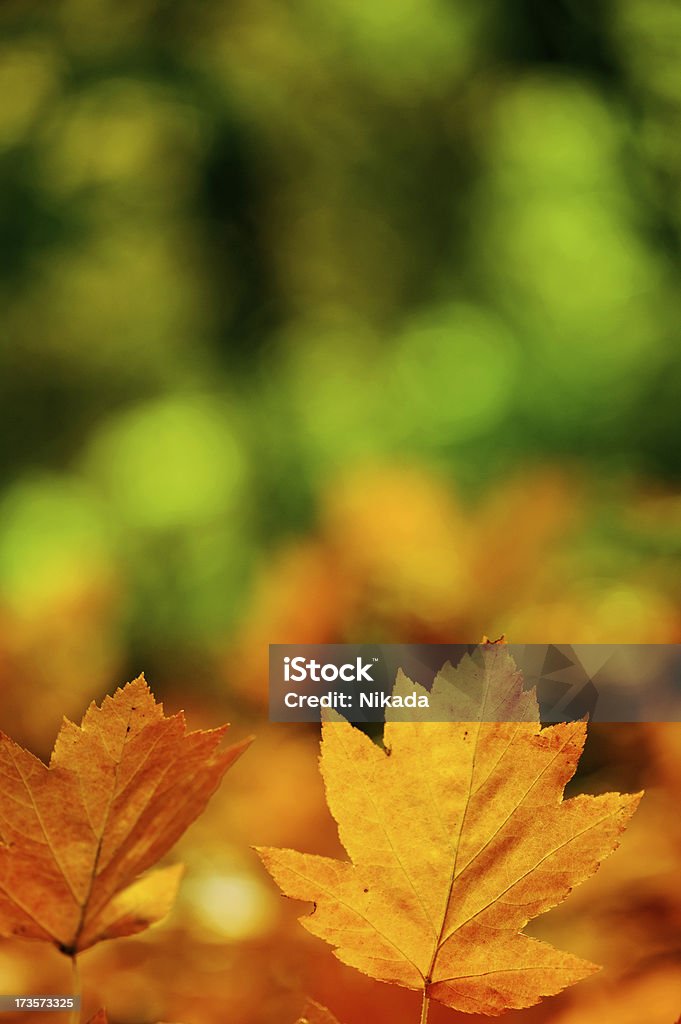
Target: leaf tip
x,y
232,754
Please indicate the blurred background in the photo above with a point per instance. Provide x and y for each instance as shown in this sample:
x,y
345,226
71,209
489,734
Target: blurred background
x,y
337,322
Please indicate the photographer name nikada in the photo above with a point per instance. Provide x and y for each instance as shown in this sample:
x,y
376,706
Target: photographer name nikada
x,y
375,699
378,699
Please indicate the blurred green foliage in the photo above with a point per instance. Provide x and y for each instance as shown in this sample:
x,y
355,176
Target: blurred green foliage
x,y
247,244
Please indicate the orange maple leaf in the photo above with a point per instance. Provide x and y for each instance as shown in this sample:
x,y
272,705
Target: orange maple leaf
x,y
457,835
119,791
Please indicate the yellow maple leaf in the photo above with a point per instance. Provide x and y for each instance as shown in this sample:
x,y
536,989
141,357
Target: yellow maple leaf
x,y
120,789
458,835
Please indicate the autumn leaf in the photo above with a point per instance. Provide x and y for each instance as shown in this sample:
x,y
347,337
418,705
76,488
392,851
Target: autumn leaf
x,y
119,791
457,835
316,1014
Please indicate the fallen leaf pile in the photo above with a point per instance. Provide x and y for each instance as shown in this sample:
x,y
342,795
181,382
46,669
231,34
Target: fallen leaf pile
x,y
119,791
399,553
458,835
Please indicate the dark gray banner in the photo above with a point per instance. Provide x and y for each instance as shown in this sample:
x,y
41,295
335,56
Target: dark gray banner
x,y
468,682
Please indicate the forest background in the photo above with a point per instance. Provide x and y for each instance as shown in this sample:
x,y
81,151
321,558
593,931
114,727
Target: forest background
x,y
324,323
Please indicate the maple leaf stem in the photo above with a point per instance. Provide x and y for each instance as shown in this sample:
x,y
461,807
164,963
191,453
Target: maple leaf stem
x,y
76,988
425,1006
